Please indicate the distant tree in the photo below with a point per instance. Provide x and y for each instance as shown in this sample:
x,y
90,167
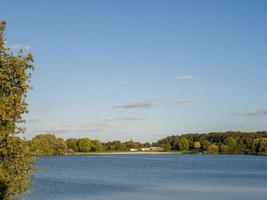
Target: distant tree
x,y
197,145
260,146
133,145
167,143
48,144
72,143
84,144
205,144
183,144
213,148
231,143
117,145
224,149
147,144
16,164
96,146
60,147
166,146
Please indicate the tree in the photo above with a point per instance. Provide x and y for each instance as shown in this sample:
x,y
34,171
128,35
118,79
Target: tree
x,y
213,148
260,146
72,143
96,146
197,145
84,144
16,163
48,144
224,149
183,144
231,143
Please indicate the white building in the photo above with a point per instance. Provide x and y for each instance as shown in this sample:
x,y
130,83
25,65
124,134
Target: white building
x,y
145,149
152,149
133,149
156,149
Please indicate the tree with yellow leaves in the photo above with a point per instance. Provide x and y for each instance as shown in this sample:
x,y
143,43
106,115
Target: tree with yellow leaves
x,y
16,164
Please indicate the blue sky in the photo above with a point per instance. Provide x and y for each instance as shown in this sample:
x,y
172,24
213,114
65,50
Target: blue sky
x,y
142,69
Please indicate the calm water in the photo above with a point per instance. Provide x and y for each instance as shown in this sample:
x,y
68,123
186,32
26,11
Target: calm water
x,y
151,177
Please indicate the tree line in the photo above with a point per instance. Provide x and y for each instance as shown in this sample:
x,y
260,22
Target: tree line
x,y
253,143
231,142
49,144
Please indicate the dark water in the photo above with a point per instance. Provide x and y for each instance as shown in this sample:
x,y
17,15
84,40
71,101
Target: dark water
x,y
151,177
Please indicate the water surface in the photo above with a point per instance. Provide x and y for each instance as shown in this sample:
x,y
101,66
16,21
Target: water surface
x,y
151,177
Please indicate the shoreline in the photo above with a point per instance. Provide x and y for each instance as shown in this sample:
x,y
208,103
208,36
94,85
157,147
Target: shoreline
x,y
125,153
142,153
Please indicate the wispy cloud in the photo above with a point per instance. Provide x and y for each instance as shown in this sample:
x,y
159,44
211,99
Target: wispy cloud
x,y
255,113
88,128
141,104
118,119
186,77
17,47
93,127
182,101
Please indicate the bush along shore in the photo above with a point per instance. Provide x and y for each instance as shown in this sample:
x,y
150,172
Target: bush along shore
x,y
251,143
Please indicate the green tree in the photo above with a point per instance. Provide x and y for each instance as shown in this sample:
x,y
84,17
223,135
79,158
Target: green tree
x,y
72,143
213,148
224,149
48,144
96,146
260,146
84,144
231,143
147,144
16,164
183,144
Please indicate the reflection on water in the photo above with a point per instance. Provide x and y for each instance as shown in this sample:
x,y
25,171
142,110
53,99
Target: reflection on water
x,y
151,177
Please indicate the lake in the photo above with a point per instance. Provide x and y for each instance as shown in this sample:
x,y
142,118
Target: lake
x,y
151,177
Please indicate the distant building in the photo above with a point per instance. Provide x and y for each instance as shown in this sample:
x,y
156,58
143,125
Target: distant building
x,y
133,149
152,149
156,149
145,149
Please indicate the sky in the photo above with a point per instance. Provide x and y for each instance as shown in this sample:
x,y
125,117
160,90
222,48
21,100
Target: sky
x,y
142,70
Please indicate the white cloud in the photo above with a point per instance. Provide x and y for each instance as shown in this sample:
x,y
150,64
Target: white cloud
x,y
182,101
88,128
254,113
151,103
186,77
141,104
93,127
116,119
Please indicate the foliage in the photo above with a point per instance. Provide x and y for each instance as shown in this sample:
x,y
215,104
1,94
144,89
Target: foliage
x,y
16,164
197,145
96,146
213,143
84,144
260,146
230,142
183,144
72,143
48,144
